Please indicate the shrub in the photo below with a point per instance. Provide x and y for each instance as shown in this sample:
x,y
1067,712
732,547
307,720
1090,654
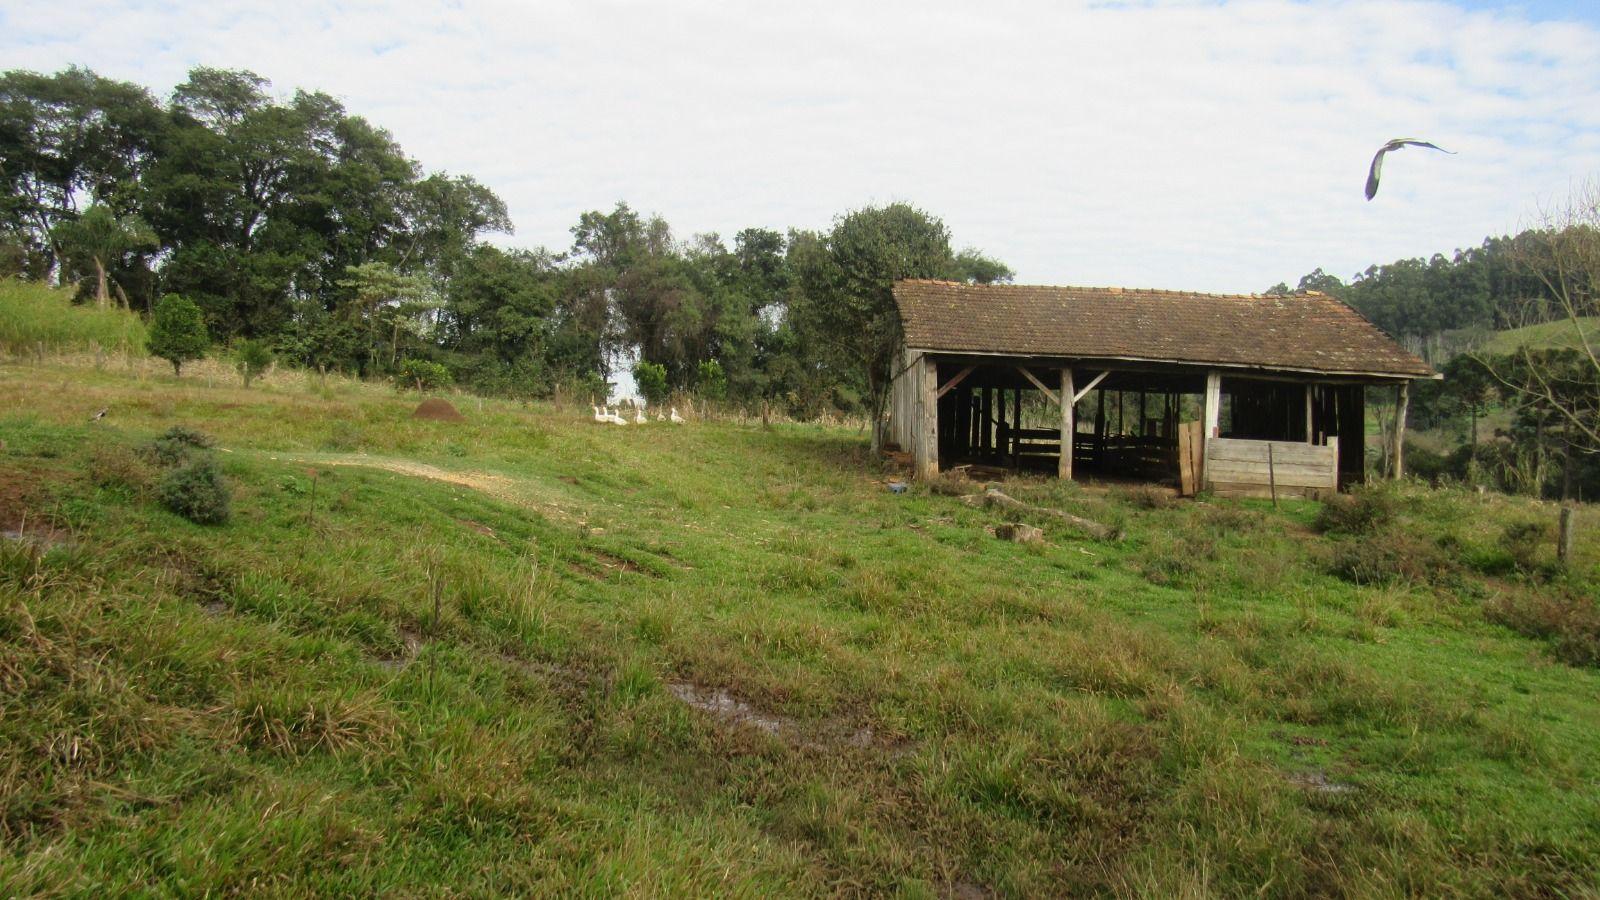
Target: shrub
x,y
1570,623
1147,497
251,357
651,380
175,444
1521,541
196,490
1362,511
117,467
711,381
423,374
1387,557
177,332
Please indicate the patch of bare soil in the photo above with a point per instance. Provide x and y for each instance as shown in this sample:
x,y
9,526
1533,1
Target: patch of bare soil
x,y
434,409
410,646
1319,783
497,486
728,708
479,527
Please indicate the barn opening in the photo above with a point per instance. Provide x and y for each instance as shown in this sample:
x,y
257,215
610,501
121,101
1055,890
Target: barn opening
x,y
1237,394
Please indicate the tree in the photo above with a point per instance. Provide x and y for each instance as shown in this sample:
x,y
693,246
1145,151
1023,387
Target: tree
x,y
100,240
66,140
973,267
384,296
1563,382
651,380
846,279
177,332
251,357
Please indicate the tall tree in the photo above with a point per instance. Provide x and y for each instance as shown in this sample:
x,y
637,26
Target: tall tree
x,y
66,141
846,279
99,241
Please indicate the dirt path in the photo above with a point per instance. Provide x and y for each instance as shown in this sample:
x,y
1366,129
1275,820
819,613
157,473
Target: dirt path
x,y
526,493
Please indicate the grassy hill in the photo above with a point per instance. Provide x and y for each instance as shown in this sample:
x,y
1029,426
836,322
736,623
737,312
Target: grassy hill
x,y
36,318
1545,334
527,653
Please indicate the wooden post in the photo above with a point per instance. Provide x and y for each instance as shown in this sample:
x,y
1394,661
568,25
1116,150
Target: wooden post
x,y
1069,427
1402,397
1212,416
926,455
1568,535
1272,476
1311,434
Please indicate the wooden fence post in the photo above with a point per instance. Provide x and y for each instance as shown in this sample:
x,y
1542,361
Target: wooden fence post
x,y
1568,535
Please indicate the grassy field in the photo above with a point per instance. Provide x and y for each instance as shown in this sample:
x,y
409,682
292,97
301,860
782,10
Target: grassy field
x,y
530,654
1548,334
37,319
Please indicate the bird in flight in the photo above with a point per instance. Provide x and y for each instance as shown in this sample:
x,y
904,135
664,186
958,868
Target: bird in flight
x,y
1396,144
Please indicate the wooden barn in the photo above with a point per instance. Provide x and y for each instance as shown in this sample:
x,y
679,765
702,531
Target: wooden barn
x,y
1241,395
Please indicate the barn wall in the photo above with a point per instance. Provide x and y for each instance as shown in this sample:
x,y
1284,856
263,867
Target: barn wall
x,y
1237,467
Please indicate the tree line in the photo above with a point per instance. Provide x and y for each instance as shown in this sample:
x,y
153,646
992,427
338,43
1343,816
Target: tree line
x,y
1443,305
293,224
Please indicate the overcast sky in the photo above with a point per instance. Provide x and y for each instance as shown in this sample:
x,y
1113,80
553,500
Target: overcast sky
x,y
1194,145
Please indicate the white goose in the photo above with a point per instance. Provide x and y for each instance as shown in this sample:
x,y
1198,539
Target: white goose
x,y
639,418
676,419
615,418
598,415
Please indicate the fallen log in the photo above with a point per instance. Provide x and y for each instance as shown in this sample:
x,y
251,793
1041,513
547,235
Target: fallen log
x,y
995,498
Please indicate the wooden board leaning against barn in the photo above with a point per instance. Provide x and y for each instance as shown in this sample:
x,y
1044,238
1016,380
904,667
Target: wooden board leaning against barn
x,y
1191,438
1244,468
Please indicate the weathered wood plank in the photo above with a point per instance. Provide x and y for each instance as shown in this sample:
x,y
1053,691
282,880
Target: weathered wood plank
x,y
1185,462
1040,385
1090,386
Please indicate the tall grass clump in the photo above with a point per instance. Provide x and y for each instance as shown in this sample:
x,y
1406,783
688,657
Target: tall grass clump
x,y
35,316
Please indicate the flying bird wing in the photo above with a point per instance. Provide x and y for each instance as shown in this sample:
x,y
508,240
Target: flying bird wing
x,y
1377,160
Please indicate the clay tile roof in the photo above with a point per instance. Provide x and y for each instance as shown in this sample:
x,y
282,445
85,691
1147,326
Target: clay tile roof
x,y
1305,331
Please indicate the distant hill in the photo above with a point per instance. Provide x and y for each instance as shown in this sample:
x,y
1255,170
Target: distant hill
x,y
1545,334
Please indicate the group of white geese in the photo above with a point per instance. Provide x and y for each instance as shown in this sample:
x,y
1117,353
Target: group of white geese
x,y
607,415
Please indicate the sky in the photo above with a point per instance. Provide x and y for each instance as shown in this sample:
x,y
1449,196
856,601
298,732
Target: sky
x,y
1212,146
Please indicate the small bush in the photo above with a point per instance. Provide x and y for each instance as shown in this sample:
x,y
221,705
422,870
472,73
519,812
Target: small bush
x,y
118,468
251,357
422,374
1147,497
1389,557
1362,511
1521,541
176,444
1570,623
177,332
651,380
196,490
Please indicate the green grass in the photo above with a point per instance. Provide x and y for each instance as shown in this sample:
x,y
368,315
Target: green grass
x,y
35,317
426,658
1564,333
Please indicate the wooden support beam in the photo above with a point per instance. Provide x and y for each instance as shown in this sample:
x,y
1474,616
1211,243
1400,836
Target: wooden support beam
x,y
1311,434
1069,428
955,380
1402,399
1090,386
1211,416
926,455
1040,385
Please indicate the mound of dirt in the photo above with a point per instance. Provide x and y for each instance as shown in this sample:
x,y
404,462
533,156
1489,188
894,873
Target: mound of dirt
x,y
435,410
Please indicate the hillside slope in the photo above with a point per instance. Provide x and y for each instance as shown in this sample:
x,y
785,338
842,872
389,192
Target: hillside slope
x,y
530,654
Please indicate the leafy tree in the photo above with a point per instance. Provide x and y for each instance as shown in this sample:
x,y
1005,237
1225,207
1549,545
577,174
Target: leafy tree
x,y
973,267
383,296
251,357
651,379
846,276
100,240
177,332
67,140
711,381
423,374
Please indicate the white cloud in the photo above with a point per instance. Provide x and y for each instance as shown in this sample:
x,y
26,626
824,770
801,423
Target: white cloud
x,y
1182,144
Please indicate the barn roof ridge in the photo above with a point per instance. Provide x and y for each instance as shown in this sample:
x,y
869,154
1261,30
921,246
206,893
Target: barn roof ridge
x,y
1300,331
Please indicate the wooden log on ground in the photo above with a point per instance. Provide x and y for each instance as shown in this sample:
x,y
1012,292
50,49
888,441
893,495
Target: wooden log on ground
x,y
1001,500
